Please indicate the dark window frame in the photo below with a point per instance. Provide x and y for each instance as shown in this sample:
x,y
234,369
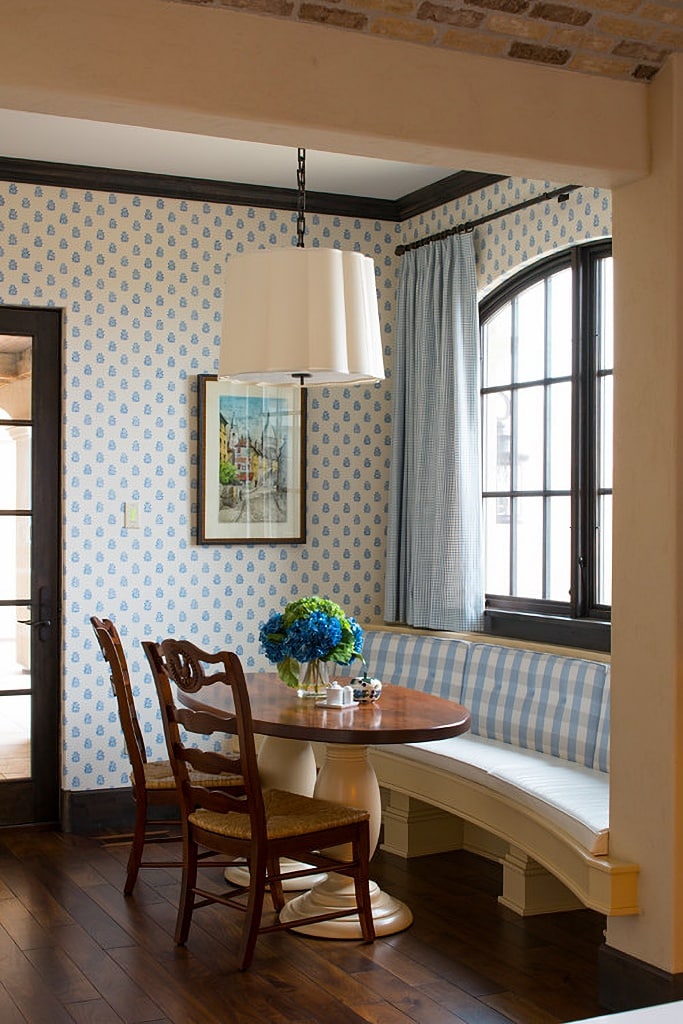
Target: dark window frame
x,y
580,622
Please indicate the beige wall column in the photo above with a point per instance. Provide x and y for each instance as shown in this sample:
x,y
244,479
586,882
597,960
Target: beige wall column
x,y
646,817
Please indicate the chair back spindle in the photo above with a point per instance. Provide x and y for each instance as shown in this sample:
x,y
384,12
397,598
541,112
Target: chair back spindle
x,y
183,665
113,653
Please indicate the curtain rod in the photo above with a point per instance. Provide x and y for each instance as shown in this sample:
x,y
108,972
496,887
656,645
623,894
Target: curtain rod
x,y
560,193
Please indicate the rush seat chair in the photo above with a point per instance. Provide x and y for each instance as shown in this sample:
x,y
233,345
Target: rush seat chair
x,y
152,782
256,827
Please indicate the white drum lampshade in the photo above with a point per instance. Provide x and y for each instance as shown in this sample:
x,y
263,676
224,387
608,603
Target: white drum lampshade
x,y
300,315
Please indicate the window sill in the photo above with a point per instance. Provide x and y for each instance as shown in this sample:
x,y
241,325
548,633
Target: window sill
x,y
588,634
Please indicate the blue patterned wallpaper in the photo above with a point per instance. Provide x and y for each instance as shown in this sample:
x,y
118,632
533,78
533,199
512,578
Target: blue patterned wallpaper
x,y
140,282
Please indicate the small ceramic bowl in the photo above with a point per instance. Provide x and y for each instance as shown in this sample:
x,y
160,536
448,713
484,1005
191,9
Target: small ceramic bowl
x,y
366,690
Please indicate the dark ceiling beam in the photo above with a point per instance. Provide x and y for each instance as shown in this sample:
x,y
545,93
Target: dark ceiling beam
x,y
107,179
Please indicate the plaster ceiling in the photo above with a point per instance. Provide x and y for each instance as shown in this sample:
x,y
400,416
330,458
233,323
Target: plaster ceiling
x,y
628,39
44,137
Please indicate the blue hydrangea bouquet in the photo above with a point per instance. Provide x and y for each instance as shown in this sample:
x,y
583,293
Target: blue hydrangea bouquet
x,y
311,630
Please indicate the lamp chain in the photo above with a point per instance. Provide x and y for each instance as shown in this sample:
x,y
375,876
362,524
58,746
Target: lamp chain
x,y
300,198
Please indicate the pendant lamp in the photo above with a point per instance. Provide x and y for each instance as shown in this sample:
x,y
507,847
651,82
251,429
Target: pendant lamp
x,y
301,316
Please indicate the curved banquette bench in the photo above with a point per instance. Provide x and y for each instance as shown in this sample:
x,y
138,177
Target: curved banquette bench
x,y
527,786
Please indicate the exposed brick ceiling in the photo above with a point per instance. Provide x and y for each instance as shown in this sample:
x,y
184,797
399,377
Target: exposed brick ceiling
x,y
628,39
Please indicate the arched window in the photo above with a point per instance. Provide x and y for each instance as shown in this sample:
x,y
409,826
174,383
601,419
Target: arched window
x,y
547,362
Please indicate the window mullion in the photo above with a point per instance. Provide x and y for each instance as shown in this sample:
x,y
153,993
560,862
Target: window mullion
x,y
591,398
579,414
546,437
514,323
594,393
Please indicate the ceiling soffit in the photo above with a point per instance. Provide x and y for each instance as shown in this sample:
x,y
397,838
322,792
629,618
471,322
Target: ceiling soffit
x,y
624,39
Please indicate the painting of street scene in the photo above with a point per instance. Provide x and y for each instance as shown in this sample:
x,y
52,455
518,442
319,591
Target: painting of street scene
x,y
252,461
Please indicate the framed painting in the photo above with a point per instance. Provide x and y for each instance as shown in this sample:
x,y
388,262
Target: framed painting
x,y
252,472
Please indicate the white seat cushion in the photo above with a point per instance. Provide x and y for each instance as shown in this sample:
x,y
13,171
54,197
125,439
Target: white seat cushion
x,y
574,798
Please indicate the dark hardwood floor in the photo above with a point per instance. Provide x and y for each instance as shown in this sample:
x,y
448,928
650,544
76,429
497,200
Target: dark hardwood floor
x,y
74,949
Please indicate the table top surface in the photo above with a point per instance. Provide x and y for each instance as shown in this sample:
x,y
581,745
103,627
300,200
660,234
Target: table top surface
x,y
399,716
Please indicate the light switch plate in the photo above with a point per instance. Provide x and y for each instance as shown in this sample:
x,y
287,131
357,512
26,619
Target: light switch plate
x,y
131,515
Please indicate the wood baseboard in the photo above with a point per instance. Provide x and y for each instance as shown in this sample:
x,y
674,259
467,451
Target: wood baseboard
x,y
96,811
626,983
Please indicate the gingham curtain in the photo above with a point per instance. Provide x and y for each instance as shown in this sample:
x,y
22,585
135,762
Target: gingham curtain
x,y
434,555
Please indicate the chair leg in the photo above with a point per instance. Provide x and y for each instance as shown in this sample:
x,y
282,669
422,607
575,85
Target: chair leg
x,y
275,884
361,882
257,888
137,846
187,885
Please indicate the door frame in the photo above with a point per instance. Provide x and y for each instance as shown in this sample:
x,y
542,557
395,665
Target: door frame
x,y
37,800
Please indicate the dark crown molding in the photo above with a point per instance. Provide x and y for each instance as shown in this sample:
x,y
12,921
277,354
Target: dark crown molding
x,y
464,183
106,179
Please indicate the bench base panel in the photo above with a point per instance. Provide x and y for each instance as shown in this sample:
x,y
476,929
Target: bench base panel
x,y
529,889
418,800
416,829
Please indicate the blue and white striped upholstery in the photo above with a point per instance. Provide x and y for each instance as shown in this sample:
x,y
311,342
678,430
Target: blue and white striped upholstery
x,y
602,741
429,663
553,704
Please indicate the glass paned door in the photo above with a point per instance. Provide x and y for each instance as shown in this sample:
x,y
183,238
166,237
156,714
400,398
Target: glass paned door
x,y
29,542
15,544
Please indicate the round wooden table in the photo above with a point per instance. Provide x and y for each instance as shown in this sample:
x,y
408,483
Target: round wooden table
x,y
290,724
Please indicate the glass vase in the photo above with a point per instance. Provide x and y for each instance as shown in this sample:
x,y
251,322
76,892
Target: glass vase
x,y
314,677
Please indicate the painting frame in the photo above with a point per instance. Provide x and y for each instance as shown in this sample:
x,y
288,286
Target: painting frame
x,y
251,451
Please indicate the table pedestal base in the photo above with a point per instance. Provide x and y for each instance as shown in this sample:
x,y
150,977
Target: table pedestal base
x,y
240,876
335,893
284,764
347,777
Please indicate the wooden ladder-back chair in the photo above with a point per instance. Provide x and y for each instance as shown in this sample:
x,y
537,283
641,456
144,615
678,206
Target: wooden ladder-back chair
x,y
258,827
152,782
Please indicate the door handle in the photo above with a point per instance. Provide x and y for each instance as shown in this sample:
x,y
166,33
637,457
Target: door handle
x,y
44,618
